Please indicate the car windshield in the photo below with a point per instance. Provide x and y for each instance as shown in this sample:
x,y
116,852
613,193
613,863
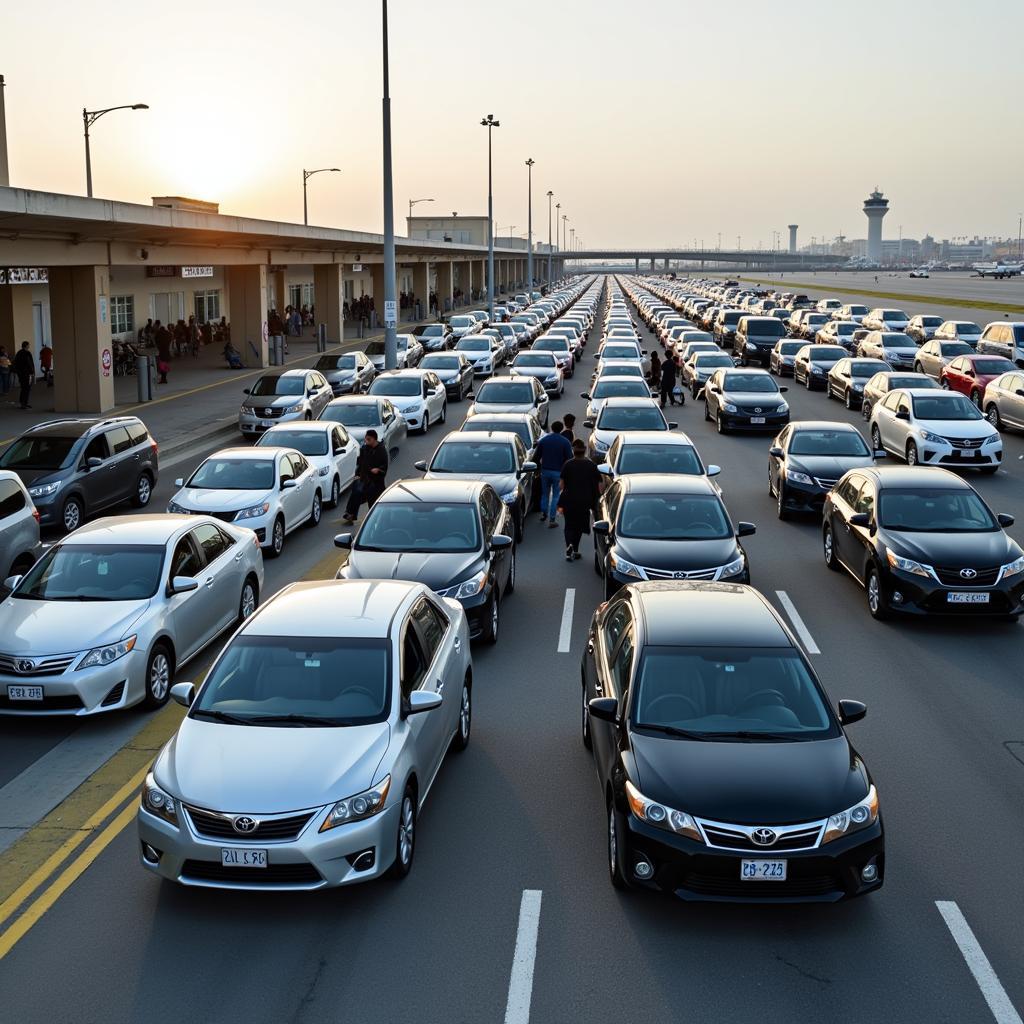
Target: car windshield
x,y
734,694
440,363
754,383
430,331
911,381
535,359
896,341
845,327
506,392
659,458
396,386
931,321
706,360
612,387
824,353
992,366
375,348
462,321
955,348
934,510
673,517
325,364
309,442
621,370
484,457
228,474
966,327
39,452
766,329
419,526
893,314
352,414
550,344
946,407
273,384
94,572
620,352
827,442
861,369
292,682
631,417
790,348
476,344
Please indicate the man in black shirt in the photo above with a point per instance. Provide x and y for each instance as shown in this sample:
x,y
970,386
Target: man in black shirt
x,y
569,422
371,474
668,381
581,485
24,367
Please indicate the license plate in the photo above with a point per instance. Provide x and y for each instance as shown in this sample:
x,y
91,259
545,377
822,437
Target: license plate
x,y
756,419
243,858
24,693
960,597
763,870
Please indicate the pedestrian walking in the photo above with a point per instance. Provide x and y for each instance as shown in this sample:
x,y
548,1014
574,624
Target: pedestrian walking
x,y
163,351
552,452
569,423
580,488
668,382
371,476
46,364
655,377
25,371
5,371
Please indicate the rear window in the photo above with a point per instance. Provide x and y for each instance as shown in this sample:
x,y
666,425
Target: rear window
x,y
12,498
138,433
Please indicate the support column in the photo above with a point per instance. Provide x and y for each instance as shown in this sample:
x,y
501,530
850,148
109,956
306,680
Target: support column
x,y
480,277
280,291
328,297
445,285
247,308
472,280
16,323
421,288
636,265
83,351
377,277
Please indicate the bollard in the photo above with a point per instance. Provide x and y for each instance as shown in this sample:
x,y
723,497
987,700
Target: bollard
x,y
279,349
373,319
419,312
321,338
142,377
272,350
152,377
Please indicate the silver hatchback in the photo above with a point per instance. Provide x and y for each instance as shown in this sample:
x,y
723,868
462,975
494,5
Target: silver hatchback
x,y
19,526
307,754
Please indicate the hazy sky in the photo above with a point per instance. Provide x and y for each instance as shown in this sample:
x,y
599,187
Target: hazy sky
x,y
654,123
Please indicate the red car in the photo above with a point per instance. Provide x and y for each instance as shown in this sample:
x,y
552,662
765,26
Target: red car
x,y
970,375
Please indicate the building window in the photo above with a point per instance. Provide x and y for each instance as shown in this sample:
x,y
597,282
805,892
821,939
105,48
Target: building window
x,y
307,294
349,287
207,306
122,314
294,295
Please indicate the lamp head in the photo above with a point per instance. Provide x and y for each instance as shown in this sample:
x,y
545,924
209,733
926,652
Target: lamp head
x,y
140,106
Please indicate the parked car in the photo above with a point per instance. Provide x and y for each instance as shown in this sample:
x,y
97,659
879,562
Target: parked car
x,y
543,367
1004,401
756,337
485,352
434,337
462,325
522,394
283,396
852,311
933,355
812,363
360,413
885,381
838,332
922,327
959,330
783,356
454,371
613,387
895,348
327,446
1003,339
19,527
524,425
696,370
641,451
886,319
618,414
348,373
744,400
418,395
971,374
408,355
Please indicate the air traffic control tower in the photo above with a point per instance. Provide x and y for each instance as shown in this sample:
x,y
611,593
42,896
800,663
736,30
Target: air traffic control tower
x,y
876,206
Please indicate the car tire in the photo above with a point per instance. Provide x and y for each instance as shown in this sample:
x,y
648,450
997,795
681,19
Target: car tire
x,y
876,439
249,599
780,501
405,839
309,416
444,412
877,604
610,588
597,563
976,398
917,368
848,399
426,423
720,425
865,410
72,514
159,677
510,583
493,624
143,491
707,411
807,383
588,741
993,417
316,512
617,878
911,454
462,733
335,492
944,384
989,470
829,549
276,538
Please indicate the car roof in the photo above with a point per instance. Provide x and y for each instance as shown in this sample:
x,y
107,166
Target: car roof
x,y
916,477
513,417
408,372
628,401
666,483
79,425
684,614
459,437
151,528
645,437
356,608
356,400
240,452
823,425
463,491
286,373
296,427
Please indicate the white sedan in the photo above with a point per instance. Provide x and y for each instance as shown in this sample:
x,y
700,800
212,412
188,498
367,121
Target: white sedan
x,y
329,447
418,395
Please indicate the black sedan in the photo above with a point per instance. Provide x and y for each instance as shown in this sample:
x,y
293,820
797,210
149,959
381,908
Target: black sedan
x,y
806,460
744,400
454,370
921,541
726,772
434,337
660,526
454,536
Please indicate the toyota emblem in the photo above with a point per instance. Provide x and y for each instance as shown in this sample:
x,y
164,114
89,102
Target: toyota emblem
x,y
762,836
968,574
25,665
757,408
680,575
244,824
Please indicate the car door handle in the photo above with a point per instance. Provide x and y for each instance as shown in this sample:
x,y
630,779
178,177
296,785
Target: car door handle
x,y
440,685
239,556
209,581
457,644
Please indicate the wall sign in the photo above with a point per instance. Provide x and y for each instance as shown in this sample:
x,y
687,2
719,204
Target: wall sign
x,y
161,271
197,271
24,275
357,268
390,313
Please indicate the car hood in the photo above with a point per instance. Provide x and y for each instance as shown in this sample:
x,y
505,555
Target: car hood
x,y
30,477
447,375
540,372
202,499
958,428
340,376
970,550
745,400
501,482
273,402
677,554
39,628
831,467
269,769
486,408
434,570
751,783
902,351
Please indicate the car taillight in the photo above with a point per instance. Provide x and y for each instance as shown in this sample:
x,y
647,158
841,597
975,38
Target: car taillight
x,y
35,514
154,446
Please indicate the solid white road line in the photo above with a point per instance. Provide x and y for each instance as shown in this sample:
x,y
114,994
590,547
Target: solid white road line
x,y
798,624
520,986
990,985
565,633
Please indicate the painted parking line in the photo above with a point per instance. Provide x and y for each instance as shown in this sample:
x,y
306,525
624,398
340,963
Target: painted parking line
x,y
991,987
798,624
565,633
520,985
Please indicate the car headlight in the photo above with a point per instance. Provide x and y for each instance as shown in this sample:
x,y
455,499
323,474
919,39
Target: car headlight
x,y
729,407
157,802
510,497
858,387
599,445
751,348
356,808
988,440
660,816
907,564
44,490
1013,568
553,379
253,511
107,655
858,816
468,588
248,410
323,471
797,477
175,509
927,435
817,371
620,565
783,408
733,568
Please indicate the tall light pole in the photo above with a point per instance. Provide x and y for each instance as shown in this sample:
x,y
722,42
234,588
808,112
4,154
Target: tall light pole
x,y
1020,224
489,123
306,175
565,225
413,202
550,196
529,222
89,118
390,303
558,217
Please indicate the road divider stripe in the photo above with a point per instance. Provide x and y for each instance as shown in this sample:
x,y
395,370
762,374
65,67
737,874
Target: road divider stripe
x,y
565,633
798,624
520,985
991,987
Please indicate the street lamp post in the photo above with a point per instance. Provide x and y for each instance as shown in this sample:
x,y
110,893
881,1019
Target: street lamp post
x,y
489,123
306,175
529,222
1020,224
413,202
550,196
89,118
565,225
390,303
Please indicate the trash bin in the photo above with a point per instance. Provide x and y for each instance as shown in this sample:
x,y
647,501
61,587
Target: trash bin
x,y
142,375
279,349
321,338
419,312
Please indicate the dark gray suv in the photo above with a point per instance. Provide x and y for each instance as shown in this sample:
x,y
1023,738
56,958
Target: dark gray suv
x,y
74,468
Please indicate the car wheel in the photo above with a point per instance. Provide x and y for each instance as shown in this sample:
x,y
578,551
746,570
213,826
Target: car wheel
x,y
829,549
335,492
989,470
876,598
405,841
992,415
911,453
249,600
614,856
780,500
976,398
276,538
848,399
597,563
316,511
159,677
72,514
917,368
309,415
876,439
493,620
143,491
707,411
461,740
426,423
510,584
720,424
444,412
585,730
865,410
807,382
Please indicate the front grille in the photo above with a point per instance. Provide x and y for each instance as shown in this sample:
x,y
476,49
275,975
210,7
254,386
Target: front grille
x,y
802,838
272,874
224,517
43,666
952,578
825,482
269,413
70,702
733,886
966,442
670,574
218,826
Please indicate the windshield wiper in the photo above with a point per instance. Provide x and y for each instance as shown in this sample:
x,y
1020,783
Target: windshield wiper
x,y
83,597
671,730
293,719
220,716
747,736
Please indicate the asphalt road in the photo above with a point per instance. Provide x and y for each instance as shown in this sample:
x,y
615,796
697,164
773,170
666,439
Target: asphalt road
x,y
522,810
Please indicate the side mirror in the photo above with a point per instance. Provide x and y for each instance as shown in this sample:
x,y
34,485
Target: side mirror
x,y
183,694
12,581
603,527
605,468
784,389
180,482
713,470
500,541
745,529
246,391
672,425
880,453
902,414
589,424
776,452
1019,392
1004,519
420,701
287,485
604,708
182,585
585,394
343,540
421,465
861,519
851,711
529,467
93,463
